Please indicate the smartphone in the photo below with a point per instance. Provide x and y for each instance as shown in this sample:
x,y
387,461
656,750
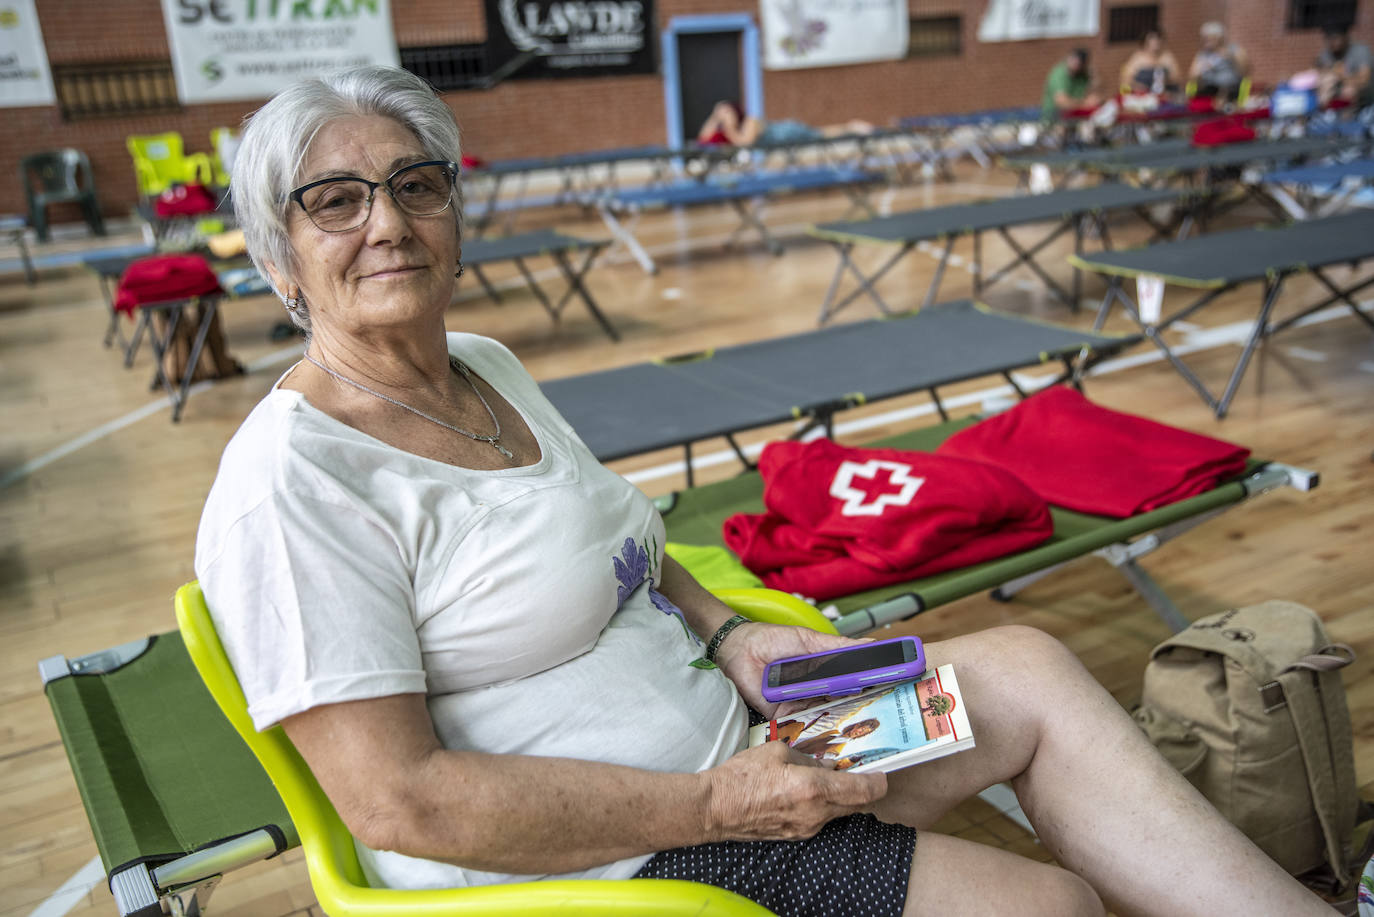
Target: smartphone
x,y
845,671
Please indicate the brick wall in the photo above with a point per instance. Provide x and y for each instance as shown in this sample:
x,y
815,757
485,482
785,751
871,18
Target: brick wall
x,y
533,117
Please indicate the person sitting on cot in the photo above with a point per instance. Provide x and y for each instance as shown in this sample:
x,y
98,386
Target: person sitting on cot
x,y
469,629
1069,86
728,125
1343,69
1219,67
1151,68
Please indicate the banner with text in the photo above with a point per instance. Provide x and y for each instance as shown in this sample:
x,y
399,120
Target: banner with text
x,y
24,75
1019,20
554,38
229,50
828,33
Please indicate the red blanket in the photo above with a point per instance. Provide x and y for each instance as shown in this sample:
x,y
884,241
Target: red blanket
x,y
844,520
1087,458
163,278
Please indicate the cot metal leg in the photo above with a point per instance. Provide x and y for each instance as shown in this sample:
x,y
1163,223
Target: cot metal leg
x,y
1007,591
1337,295
1153,595
748,212
625,236
1027,257
112,331
1113,288
939,274
1271,293
555,314
136,337
829,308
486,284
977,262
574,278
1075,305
687,462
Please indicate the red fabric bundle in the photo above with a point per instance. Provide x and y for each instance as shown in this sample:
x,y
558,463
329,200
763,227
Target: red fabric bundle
x,y
1222,131
472,162
842,520
184,201
1091,459
1201,105
163,278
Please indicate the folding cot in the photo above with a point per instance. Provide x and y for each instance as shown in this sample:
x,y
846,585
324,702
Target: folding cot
x,y
737,190
1219,263
542,243
941,131
695,517
1319,190
809,377
1068,209
1215,161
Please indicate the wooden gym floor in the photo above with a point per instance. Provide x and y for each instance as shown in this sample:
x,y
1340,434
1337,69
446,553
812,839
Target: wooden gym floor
x,y
100,492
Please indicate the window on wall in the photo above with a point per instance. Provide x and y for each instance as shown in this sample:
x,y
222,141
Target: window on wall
x,y
935,36
1318,14
448,67
1130,23
96,90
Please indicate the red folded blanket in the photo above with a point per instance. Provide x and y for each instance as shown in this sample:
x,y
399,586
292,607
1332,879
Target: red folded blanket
x,y
184,201
162,278
843,520
1087,458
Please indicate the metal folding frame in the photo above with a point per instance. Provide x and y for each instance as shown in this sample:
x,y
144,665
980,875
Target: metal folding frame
x,y
175,311
1081,224
572,273
1262,330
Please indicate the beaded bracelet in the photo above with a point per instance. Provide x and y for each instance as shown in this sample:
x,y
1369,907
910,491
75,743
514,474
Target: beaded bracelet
x,y
721,633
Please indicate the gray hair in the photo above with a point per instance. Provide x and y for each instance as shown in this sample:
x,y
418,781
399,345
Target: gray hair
x,y
1213,30
277,137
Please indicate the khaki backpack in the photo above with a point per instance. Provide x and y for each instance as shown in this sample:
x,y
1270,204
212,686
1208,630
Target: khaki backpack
x,y
1249,706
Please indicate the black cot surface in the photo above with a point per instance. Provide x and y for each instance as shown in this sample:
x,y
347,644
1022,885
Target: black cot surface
x,y
1241,255
525,245
1231,154
1073,159
650,406
939,222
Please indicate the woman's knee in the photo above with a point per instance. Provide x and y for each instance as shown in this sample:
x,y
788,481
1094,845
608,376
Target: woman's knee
x,y
1074,896
1012,647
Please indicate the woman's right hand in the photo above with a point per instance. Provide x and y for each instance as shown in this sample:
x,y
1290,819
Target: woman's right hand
x,y
772,792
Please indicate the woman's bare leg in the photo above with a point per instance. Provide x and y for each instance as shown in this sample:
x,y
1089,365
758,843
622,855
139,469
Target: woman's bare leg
x,y
951,877
1102,800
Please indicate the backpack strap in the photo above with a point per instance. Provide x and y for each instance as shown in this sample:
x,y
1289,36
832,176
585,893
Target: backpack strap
x,y
1315,698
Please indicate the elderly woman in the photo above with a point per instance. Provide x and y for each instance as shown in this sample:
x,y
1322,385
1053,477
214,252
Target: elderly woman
x,y
469,630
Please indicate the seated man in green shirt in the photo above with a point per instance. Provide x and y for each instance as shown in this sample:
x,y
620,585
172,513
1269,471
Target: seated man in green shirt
x,y
1069,86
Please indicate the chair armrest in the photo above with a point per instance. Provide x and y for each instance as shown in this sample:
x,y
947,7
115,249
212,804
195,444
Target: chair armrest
x,y
774,607
587,897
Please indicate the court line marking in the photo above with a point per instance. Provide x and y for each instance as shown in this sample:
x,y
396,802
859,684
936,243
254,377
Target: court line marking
x,y
14,475
70,893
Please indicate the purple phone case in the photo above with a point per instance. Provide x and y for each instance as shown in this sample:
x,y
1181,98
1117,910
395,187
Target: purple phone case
x,y
851,683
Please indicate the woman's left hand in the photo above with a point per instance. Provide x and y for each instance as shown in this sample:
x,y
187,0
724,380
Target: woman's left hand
x,y
750,647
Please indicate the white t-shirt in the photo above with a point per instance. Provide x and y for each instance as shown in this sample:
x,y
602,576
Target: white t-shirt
x,y
520,601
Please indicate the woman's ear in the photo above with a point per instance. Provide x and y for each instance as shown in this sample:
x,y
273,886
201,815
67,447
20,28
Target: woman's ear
x,y
278,281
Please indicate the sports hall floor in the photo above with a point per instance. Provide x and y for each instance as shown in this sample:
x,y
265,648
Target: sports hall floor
x,y
101,492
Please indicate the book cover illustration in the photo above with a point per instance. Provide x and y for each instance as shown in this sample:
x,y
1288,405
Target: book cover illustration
x,y
883,729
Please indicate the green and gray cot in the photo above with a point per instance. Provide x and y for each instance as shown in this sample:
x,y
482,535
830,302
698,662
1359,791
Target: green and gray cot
x,y
1218,263
174,797
1070,211
695,516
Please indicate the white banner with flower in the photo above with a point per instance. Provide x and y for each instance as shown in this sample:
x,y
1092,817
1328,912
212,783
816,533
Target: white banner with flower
x,y
1019,20
828,33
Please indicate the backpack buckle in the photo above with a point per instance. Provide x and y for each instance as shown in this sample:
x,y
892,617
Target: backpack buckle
x,y
1271,695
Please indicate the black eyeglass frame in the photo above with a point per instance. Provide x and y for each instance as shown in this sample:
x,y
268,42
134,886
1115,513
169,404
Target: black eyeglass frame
x,y
372,186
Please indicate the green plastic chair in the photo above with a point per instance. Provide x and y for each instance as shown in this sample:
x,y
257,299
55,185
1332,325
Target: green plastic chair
x,y
160,161
219,136
337,877
59,177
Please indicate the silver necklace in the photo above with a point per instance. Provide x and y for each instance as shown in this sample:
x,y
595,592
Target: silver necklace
x,y
494,440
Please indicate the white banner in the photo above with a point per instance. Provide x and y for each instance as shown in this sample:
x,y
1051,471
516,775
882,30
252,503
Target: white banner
x,y
24,75
1018,20
230,50
827,33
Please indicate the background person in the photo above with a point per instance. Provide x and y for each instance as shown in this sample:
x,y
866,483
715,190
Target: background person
x,y
1069,86
728,125
1219,66
1151,67
1343,67
467,627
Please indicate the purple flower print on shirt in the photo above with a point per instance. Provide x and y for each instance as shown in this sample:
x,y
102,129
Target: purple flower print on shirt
x,y
632,568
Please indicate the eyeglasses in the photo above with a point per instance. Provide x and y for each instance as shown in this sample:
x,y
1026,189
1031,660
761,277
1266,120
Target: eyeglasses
x,y
340,204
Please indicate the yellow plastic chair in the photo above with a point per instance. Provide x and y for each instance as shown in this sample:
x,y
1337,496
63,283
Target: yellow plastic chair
x,y
337,877
1242,91
160,161
217,137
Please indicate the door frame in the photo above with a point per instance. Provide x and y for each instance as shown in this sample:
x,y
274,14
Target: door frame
x,y
750,65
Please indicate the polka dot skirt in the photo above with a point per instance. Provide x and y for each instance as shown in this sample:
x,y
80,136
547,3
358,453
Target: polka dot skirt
x,y
855,866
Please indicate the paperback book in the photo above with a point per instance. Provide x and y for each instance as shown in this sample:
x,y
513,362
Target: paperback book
x,y
882,729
